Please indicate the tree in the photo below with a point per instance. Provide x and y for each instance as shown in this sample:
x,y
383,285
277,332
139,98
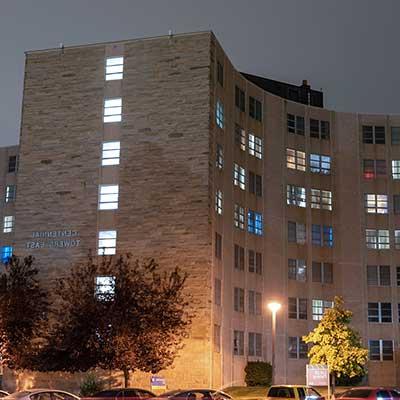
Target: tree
x,y
134,318
23,312
336,344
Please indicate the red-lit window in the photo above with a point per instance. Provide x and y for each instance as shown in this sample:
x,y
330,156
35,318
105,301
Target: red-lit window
x,y
369,169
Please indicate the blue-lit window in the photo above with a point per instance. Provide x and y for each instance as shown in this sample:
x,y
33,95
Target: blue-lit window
x,y
6,253
327,235
322,235
219,114
254,223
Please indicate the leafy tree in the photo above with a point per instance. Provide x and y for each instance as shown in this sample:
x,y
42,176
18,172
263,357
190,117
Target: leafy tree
x,y
137,322
23,312
336,344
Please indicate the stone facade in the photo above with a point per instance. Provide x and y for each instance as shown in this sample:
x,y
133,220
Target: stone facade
x,y
168,179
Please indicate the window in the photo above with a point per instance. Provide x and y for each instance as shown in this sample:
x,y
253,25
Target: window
x,y
220,157
296,159
107,243
217,338
255,222
255,109
255,262
377,239
240,99
105,287
319,307
110,153
6,253
378,275
8,223
10,193
297,348
296,232
373,134
297,270
238,217
240,137
239,176
114,68
380,312
322,272
218,246
396,169
296,195
295,124
374,168
319,129
238,343
398,276
255,146
380,350
112,110
397,239
255,302
395,131
320,164
259,263
220,73
376,203
108,197
12,163
238,299
255,184
217,292
218,202
255,344
321,199
239,257
322,235
219,114
396,203
297,308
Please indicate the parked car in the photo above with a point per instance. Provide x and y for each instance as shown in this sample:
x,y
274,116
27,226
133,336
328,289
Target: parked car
x,y
41,394
297,392
119,393
369,393
195,394
3,393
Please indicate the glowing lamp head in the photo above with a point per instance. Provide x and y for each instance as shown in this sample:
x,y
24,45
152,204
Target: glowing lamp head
x,y
274,306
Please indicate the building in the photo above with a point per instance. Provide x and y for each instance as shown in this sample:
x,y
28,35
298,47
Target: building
x,y
161,147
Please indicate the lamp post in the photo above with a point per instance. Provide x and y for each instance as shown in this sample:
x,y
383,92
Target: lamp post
x,y
274,308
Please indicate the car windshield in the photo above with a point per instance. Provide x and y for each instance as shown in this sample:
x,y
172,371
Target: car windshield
x,y
363,393
281,391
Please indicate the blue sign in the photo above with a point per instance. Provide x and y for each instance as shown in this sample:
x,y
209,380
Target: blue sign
x,y
157,382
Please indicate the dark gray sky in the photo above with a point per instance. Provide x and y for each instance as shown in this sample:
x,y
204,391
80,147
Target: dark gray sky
x,y
349,48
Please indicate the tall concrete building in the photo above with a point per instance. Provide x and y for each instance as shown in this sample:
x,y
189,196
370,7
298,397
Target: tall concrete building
x,y
160,147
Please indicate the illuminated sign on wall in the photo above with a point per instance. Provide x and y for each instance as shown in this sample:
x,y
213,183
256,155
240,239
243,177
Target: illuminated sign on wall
x,y
66,238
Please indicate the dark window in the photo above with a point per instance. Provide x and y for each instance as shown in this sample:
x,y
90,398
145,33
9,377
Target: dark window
x,y
380,167
240,99
322,272
217,291
395,130
238,343
238,299
12,163
255,109
258,263
220,73
396,203
255,184
314,128
368,134
373,134
379,135
218,245
300,125
325,131
251,256
239,257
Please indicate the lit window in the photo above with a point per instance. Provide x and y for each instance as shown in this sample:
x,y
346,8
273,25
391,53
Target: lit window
x,y
296,159
108,197
296,232
320,164
6,253
239,217
8,225
380,312
12,163
397,239
297,270
239,176
377,239
321,199
240,137
255,146
112,110
374,168
219,114
10,193
105,287
322,235
376,203
218,202
319,307
255,222
114,68
373,134
396,169
295,124
255,344
297,308
110,153
220,157
107,243
378,275
297,348
380,350
296,195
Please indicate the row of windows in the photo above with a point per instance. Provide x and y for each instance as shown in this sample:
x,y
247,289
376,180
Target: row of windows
x,y
298,308
380,275
254,220
318,163
321,235
254,300
321,272
318,129
379,239
254,260
254,143
320,199
254,343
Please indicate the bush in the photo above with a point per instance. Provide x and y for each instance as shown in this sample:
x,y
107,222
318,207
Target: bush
x,y
346,381
90,385
258,373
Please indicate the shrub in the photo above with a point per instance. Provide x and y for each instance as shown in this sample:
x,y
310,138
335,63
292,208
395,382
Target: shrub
x,y
90,385
346,381
258,373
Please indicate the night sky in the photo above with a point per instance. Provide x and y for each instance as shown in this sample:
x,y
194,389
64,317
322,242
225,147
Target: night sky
x,y
349,48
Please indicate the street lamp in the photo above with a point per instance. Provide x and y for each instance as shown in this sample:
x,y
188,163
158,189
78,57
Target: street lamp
x,y
274,308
